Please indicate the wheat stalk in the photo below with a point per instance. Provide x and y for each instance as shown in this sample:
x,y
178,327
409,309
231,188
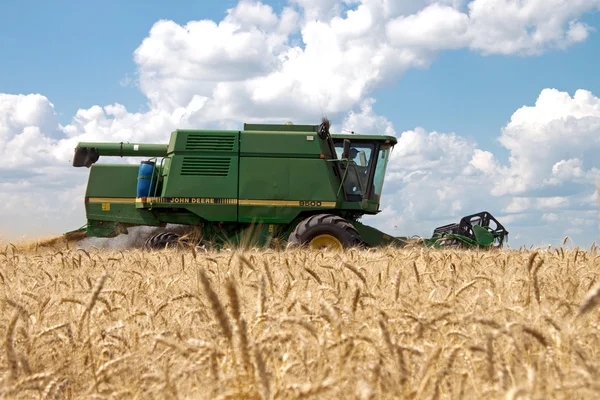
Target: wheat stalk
x,y
215,303
11,357
317,340
591,300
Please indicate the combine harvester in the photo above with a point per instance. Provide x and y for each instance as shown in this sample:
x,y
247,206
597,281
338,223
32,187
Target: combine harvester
x,y
266,184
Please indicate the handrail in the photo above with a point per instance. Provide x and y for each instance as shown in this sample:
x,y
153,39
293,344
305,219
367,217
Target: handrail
x,y
151,177
159,175
353,164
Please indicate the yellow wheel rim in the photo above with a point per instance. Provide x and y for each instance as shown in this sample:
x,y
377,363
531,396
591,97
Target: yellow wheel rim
x,y
324,241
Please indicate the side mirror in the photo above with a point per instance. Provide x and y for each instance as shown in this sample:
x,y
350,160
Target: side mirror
x,y
346,149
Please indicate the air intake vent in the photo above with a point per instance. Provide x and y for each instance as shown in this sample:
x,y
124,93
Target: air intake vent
x,y
205,166
210,143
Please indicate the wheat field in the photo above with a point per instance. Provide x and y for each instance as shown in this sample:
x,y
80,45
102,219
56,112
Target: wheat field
x,y
265,324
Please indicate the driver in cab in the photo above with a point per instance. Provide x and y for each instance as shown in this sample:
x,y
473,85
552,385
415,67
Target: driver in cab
x,y
352,178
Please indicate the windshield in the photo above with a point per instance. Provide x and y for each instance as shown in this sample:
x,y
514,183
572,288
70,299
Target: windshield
x,y
357,177
382,161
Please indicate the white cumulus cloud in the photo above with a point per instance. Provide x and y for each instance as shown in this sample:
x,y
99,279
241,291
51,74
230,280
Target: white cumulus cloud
x,y
314,57
518,204
549,141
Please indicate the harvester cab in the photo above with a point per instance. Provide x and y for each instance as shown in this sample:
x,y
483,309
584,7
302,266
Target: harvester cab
x,y
364,164
263,185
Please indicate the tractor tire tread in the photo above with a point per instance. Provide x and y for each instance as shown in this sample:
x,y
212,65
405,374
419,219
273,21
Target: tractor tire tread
x,y
161,240
301,234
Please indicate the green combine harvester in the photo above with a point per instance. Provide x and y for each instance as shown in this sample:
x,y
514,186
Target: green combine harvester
x,y
268,184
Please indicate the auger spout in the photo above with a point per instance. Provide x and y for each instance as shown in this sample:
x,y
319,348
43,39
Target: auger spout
x,y
87,153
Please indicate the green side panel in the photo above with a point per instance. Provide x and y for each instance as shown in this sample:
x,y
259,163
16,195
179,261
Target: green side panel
x,y
274,214
112,180
366,206
284,187
265,178
203,164
374,237
182,218
118,212
205,175
282,144
213,212
110,195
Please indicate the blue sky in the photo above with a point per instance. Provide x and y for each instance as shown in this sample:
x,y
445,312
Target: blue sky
x,y
79,55
77,52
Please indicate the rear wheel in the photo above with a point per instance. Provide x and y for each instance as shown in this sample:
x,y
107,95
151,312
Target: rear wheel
x,y
324,231
162,240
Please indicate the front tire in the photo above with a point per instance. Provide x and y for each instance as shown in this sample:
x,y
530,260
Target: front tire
x,y
324,231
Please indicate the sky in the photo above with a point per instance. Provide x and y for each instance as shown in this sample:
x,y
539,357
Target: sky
x,y
495,103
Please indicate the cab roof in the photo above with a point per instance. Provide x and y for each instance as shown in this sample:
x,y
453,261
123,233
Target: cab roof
x,y
384,138
315,128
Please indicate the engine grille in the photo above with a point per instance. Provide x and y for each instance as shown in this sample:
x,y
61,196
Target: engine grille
x,y
210,143
200,166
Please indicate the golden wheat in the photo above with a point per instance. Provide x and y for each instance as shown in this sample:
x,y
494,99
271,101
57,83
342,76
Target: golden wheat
x,y
268,324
